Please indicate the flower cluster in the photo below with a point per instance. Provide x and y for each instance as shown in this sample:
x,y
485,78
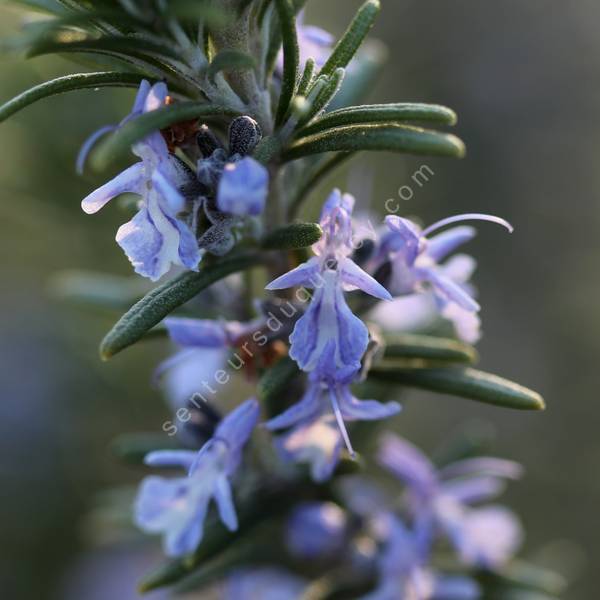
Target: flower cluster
x,y
241,110
167,229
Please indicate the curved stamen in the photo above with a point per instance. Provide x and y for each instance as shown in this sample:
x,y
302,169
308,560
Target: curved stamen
x,y
467,217
340,421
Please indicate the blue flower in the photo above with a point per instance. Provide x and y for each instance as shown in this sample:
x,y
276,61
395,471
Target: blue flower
x,y
177,507
415,266
314,437
243,188
316,530
420,311
328,322
156,237
403,572
441,501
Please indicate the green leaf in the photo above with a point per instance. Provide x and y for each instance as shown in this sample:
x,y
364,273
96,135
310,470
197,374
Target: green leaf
x,y
319,101
391,138
116,145
111,45
160,302
381,113
367,65
467,383
292,237
291,58
68,83
428,349
131,448
275,382
348,45
229,60
307,77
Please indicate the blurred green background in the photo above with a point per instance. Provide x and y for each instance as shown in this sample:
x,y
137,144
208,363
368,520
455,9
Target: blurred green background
x,y
524,79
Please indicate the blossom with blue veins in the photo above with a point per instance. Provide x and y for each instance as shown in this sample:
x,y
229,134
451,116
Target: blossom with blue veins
x,y
416,266
328,322
157,236
441,500
317,421
404,573
243,187
177,507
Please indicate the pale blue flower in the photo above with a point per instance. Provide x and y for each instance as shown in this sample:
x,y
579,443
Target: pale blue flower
x,y
156,237
420,311
415,266
314,437
403,572
243,188
442,501
316,530
328,322
177,507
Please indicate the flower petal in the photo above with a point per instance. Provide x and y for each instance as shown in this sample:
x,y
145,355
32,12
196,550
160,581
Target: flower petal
x,y
236,427
87,146
445,243
448,290
131,180
408,463
171,458
305,274
318,443
353,275
305,409
224,500
364,410
243,188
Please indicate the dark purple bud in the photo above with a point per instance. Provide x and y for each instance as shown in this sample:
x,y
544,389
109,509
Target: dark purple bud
x,y
244,135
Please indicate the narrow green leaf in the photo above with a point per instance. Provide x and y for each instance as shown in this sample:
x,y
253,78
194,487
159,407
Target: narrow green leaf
x,y
68,83
307,77
319,101
274,384
467,383
160,302
229,60
292,237
117,144
429,349
381,113
367,66
391,138
133,447
349,43
113,45
291,58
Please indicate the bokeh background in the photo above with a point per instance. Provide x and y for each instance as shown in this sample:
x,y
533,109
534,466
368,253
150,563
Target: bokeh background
x,y
524,78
